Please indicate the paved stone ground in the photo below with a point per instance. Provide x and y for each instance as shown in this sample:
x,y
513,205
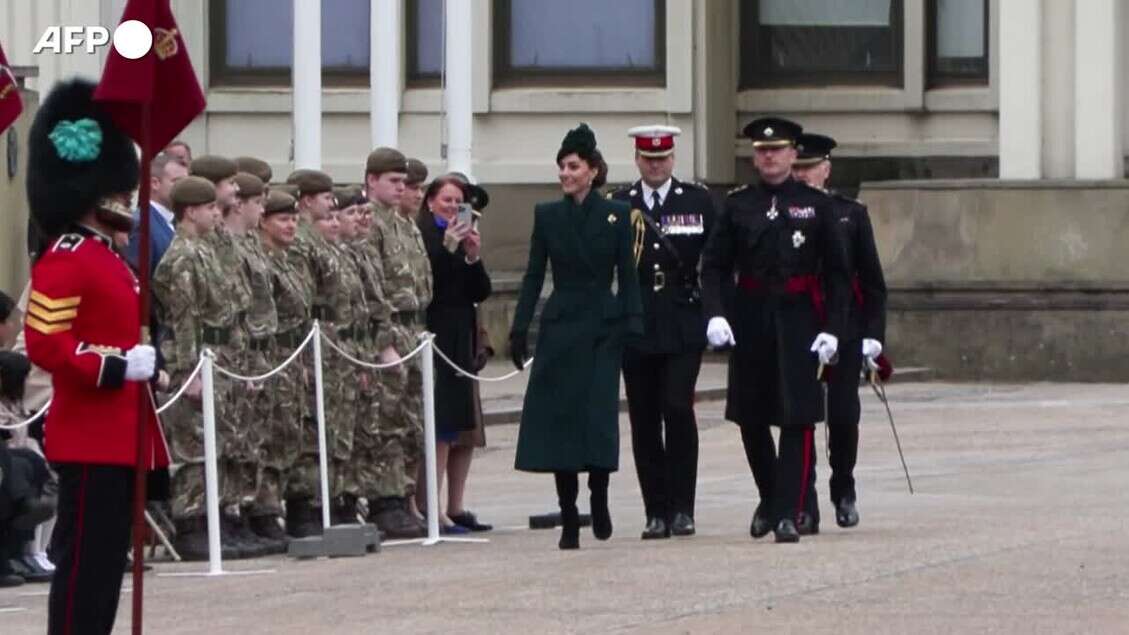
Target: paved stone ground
x,y
1020,524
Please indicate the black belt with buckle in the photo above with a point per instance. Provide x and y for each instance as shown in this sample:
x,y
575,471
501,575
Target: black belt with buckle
x,y
215,336
291,338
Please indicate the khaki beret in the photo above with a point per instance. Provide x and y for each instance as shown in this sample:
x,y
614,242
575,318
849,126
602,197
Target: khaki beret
x,y
279,203
192,190
249,184
212,167
383,160
349,195
288,188
258,167
310,181
417,172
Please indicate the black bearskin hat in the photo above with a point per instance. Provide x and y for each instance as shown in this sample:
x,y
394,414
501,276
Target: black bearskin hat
x,y
76,156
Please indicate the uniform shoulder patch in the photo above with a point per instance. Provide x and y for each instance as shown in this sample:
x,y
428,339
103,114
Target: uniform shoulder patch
x,y
68,242
737,189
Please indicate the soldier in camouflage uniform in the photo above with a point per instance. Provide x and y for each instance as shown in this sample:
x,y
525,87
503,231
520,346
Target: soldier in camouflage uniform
x,y
407,289
313,253
285,427
379,463
236,448
191,291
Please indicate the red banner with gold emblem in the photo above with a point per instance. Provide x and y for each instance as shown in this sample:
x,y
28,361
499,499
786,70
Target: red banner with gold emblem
x,y
10,103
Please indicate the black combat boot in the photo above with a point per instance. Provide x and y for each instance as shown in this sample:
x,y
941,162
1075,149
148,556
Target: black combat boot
x,y
302,518
393,520
191,541
266,527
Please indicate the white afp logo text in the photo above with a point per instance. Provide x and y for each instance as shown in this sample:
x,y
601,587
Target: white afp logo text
x,y
132,39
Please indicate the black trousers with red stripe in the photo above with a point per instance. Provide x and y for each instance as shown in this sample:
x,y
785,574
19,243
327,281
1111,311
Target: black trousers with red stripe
x,y
793,471
89,547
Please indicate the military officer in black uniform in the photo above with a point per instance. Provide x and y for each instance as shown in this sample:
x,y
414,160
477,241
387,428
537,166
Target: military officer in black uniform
x,y
781,240
862,338
672,220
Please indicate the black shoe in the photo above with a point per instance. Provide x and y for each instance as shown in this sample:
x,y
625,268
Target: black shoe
x,y
656,528
786,531
682,525
807,524
601,520
470,521
846,513
28,571
266,527
761,525
191,541
570,530
302,518
390,517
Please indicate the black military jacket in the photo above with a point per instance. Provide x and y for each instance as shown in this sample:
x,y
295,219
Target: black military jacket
x,y
668,269
867,314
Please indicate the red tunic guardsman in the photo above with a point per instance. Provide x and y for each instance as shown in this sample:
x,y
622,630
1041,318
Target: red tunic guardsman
x,y
82,327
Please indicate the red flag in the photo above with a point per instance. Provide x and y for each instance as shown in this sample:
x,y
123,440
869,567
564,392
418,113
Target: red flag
x,y
163,77
10,103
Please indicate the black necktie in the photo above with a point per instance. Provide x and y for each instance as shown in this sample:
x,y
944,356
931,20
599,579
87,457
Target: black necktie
x,y
656,202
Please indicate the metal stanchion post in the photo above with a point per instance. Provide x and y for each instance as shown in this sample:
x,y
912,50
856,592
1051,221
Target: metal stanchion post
x,y
323,451
211,472
427,364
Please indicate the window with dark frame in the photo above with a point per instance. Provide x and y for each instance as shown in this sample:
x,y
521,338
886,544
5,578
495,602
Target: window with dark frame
x,y
957,42
549,42
424,41
251,41
786,43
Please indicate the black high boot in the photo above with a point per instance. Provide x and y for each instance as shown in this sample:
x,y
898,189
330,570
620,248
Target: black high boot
x,y
598,499
567,489
302,518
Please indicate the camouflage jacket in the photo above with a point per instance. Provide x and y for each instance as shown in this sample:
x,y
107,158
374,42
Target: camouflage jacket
x,y
194,293
368,261
407,270
292,293
261,318
321,262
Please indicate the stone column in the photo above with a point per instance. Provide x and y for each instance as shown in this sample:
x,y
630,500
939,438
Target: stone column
x,y
1097,90
1020,81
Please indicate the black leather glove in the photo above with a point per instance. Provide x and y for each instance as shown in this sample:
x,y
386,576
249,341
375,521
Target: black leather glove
x,y
519,350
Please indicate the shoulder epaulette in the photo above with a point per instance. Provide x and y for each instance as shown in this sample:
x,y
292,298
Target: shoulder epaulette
x,y
737,189
68,242
616,190
839,196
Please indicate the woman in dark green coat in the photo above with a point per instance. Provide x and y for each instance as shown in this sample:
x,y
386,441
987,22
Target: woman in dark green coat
x,y
570,419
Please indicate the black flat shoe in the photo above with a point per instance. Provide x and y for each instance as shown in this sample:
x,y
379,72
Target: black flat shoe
x,y
761,525
786,531
846,513
570,531
470,521
682,525
656,529
601,522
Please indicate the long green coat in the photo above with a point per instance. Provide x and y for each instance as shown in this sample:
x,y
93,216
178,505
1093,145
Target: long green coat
x,y
570,418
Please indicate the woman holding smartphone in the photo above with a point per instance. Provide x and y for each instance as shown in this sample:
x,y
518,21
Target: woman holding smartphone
x,y
461,282
570,418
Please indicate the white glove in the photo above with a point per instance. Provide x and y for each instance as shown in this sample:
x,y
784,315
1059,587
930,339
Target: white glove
x,y
140,363
719,334
871,348
826,346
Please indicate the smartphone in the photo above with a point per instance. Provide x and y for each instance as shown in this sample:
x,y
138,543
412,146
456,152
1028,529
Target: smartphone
x,y
465,215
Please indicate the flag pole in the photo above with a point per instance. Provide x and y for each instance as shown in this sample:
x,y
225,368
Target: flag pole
x,y
145,404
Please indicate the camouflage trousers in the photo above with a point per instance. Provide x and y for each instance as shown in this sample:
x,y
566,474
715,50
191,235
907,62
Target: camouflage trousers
x,y
380,466
253,405
402,418
184,430
343,381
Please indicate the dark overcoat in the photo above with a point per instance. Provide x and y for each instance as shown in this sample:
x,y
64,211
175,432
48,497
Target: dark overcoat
x,y
569,420
452,317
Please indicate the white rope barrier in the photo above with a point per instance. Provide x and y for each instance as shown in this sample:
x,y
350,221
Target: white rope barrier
x,y
180,393
26,422
403,360
164,407
472,376
279,369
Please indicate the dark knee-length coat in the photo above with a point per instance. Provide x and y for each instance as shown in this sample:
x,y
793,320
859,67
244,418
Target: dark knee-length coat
x,y
570,418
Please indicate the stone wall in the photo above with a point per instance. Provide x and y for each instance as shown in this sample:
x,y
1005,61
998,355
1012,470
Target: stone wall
x,y
1002,280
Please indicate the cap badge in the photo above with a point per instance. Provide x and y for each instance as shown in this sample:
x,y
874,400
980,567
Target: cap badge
x,y
768,132
656,142
798,239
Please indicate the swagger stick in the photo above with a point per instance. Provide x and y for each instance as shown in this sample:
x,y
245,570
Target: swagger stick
x,y
880,392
